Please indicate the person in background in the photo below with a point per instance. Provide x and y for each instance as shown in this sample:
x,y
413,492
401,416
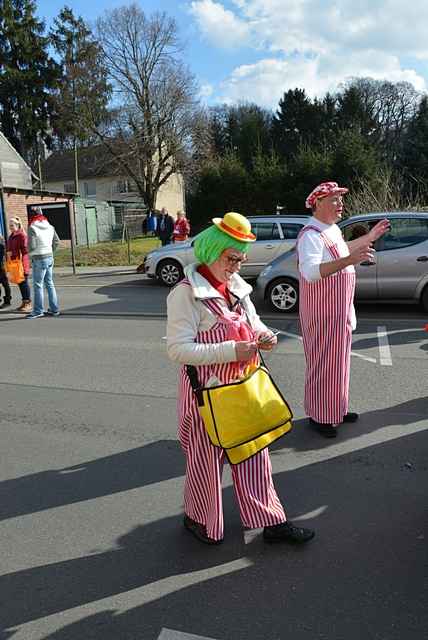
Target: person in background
x,y
151,223
42,243
181,228
326,310
3,276
213,325
17,247
165,227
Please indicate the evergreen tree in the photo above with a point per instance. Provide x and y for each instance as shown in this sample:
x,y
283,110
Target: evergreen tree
x,y
355,114
243,129
268,183
28,75
298,121
82,101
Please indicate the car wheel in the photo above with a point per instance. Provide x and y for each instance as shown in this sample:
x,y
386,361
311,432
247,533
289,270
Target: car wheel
x,y
283,295
424,299
169,272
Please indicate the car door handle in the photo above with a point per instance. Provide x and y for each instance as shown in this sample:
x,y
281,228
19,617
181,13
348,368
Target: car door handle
x,y
366,263
422,259
268,246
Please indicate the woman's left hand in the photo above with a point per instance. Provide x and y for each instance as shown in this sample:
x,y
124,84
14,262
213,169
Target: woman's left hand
x,y
266,340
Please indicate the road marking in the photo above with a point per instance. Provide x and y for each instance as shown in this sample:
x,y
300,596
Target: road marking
x,y
309,515
353,353
130,599
384,350
170,634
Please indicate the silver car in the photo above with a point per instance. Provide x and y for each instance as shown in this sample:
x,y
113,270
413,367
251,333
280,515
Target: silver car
x,y
399,273
275,234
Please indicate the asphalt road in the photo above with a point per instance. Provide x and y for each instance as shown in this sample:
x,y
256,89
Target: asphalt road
x,y
91,480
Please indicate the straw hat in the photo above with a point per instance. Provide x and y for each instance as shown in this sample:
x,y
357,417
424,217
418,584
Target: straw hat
x,y
235,226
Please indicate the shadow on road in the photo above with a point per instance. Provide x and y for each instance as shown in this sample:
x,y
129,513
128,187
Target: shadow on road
x,y
91,479
364,575
303,437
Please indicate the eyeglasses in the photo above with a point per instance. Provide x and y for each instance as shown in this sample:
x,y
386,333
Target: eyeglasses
x,y
234,260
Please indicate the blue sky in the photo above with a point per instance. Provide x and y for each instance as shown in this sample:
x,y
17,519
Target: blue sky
x,y
254,50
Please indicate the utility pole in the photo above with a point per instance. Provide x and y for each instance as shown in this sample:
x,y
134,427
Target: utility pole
x,y
73,71
39,163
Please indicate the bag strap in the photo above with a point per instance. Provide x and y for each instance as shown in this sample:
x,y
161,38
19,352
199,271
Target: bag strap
x,y
194,383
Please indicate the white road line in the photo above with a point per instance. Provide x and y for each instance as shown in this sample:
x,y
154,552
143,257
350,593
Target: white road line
x,y
360,355
353,353
170,634
384,350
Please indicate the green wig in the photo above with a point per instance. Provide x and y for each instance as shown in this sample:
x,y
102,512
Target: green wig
x,y
210,244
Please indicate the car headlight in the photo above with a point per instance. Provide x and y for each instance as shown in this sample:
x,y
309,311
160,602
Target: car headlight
x,y
266,270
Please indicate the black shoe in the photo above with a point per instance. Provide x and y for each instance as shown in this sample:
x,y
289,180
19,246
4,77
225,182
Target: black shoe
x,y
287,532
350,417
199,531
327,430
5,304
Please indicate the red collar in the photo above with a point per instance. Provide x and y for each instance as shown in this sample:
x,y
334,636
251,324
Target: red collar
x,y
221,287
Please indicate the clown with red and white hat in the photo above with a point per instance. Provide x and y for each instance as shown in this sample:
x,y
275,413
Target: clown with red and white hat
x,y
326,308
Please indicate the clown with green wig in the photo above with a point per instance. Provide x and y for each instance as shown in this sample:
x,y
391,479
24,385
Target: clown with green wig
x,y
213,327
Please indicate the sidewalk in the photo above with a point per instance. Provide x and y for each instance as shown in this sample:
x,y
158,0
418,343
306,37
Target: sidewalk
x,y
63,272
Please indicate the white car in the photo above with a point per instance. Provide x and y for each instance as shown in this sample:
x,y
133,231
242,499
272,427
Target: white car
x,y
275,234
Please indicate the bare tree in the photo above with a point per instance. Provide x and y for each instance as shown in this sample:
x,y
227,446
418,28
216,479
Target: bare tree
x,y
156,123
389,105
385,192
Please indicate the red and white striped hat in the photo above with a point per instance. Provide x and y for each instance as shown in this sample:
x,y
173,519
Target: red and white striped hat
x,y
322,191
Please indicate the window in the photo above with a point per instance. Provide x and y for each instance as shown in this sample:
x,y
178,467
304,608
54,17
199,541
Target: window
x,y
404,232
265,230
69,187
122,186
118,215
356,230
89,189
290,231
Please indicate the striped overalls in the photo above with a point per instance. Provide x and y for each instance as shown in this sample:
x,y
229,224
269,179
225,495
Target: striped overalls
x,y
325,318
258,502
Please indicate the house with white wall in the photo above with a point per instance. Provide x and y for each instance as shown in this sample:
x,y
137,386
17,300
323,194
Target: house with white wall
x,y
100,179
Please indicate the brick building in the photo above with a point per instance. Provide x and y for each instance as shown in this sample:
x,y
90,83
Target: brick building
x,y
18,195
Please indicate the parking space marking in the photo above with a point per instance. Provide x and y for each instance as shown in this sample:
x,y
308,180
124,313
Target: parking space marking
x,y
353,353
384,349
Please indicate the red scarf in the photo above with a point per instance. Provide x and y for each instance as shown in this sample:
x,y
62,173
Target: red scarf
x,y
221,287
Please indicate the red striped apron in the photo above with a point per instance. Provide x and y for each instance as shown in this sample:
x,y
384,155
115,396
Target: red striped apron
x,y
325,318
257,499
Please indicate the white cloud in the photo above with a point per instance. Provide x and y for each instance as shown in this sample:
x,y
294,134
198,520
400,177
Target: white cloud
x,y
265,81
219,25
313,44
206,90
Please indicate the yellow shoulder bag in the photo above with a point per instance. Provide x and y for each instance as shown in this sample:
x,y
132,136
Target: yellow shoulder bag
x,y
245,416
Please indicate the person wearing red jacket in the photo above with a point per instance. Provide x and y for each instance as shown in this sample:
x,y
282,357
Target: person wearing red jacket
x,y
181,228
17,247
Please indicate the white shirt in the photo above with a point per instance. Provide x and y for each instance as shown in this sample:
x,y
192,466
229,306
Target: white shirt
x,y
187,315
312,252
